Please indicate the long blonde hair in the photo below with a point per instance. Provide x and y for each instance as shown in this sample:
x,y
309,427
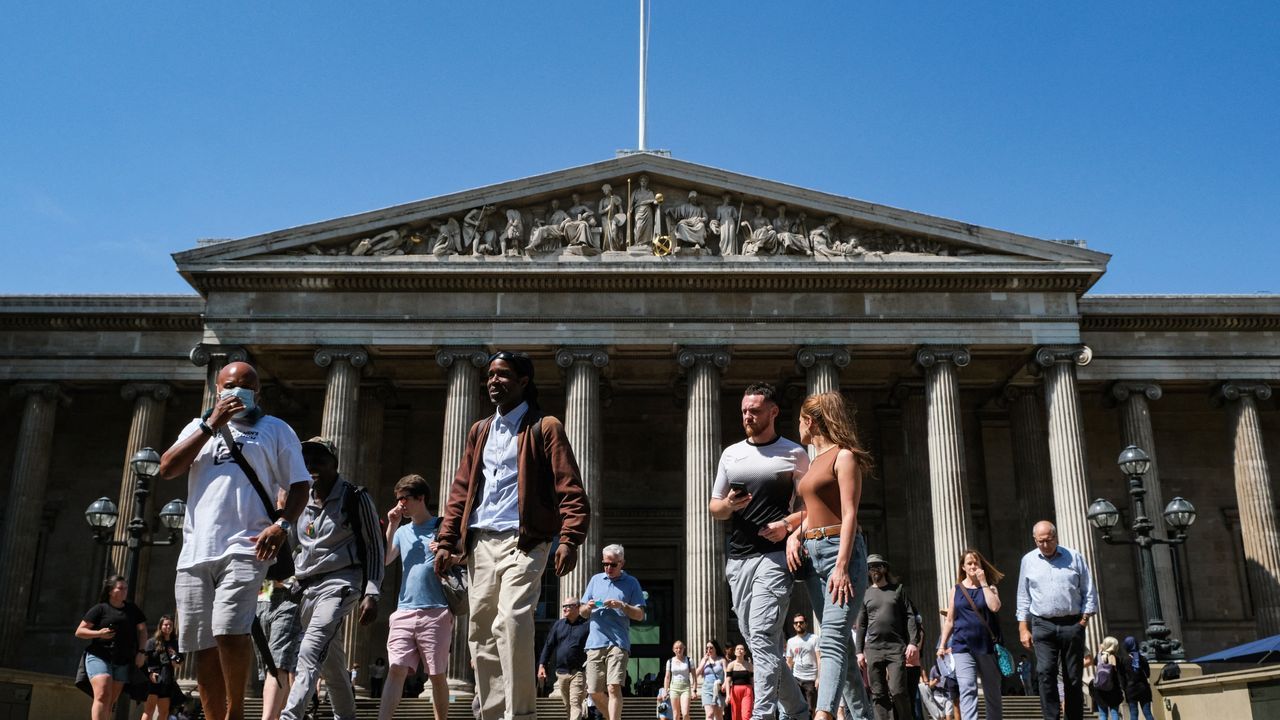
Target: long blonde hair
x,y
832,418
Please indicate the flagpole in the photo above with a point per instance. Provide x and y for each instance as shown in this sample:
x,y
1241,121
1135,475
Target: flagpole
x,y
644,59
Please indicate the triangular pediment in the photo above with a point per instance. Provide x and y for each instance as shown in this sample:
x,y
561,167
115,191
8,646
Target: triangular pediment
x,y
649,211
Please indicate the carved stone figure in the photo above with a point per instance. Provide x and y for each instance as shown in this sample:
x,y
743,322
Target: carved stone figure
x,y
513,234
689,222
578,227
613,219
762,239
791,237
448,237
725,225
391,242
644,208
476,233
545,237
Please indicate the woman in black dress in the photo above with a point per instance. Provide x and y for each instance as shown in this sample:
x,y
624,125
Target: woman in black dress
x,y
163,660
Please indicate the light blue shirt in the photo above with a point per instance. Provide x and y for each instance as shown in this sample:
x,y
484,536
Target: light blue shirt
x,y
1056,586
499,508
419,586
609,626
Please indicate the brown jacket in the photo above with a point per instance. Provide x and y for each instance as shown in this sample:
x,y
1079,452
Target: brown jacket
x,y
552,499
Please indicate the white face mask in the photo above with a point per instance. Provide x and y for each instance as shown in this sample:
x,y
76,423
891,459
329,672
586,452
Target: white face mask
x,y
246,396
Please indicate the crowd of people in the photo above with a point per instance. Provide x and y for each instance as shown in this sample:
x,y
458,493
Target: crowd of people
x,y
516,504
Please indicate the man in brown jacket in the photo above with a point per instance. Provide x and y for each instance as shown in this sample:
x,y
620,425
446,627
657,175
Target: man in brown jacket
x,y
516,489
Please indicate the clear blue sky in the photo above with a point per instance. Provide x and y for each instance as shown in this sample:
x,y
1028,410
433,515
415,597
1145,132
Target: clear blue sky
x,y
1149,129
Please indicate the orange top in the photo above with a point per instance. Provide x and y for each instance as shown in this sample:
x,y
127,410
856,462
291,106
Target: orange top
x,y
820,490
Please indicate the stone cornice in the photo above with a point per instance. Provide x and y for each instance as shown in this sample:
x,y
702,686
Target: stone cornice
x,y
67,321
1175,313
1176,323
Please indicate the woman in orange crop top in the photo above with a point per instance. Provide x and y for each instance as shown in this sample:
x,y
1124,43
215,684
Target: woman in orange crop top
x,y
832,545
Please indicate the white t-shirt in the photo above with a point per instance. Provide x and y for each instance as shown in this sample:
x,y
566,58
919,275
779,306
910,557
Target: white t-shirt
x,y
223,509
801,653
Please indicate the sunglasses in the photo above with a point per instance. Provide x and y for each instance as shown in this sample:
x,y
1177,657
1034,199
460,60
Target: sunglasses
x,y
566,606
609,564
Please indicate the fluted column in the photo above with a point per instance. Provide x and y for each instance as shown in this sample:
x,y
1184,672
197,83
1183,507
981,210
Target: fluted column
x,y
462,407
144,431
22,512
582,368
948,486
368,472
1135,429
707,605
215,357
340,422
1258,526
822,365
1067,463
1030,440
920,564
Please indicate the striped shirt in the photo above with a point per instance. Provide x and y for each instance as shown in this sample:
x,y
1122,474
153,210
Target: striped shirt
x,y
1055,586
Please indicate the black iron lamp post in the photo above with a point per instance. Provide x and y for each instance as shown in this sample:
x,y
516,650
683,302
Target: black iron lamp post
x,y
102,516
1178,515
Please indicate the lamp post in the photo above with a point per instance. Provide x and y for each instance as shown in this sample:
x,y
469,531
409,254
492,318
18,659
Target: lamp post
x,y
1179,514
102,516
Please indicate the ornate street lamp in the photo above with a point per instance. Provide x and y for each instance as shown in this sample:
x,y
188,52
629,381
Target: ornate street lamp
x,y
1178,515
102,516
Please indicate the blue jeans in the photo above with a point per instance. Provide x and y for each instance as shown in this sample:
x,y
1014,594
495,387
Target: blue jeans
x,y
838,675
1133,711
95,666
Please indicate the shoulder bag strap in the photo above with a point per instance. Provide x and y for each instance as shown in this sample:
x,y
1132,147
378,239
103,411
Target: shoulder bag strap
x,y
981,617
238,456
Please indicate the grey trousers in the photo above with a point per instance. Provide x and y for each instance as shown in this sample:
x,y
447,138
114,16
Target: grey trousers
x,y
761,588
323,608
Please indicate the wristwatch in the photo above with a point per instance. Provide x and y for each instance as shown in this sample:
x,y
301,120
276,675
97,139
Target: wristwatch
x,y
284,525
206,428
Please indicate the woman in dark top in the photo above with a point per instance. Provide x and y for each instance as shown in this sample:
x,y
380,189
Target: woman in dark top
x,y
739,679
973,630
162,662
116,631
1136,673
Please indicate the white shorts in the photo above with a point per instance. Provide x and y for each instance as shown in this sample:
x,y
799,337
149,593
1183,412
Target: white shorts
x,y
217,598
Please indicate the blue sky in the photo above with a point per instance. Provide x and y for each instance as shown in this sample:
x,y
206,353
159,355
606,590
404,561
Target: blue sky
x,y
130,130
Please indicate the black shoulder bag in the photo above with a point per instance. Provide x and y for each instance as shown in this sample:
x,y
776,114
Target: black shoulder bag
x,y
282,569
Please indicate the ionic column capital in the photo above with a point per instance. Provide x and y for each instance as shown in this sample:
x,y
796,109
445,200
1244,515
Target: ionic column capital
x,y
1015,391
567,356
691,355
46,390
447,356
929,355
810,356
1233,390
357,356
156,391
1050,355
204,353
1122,390
902,390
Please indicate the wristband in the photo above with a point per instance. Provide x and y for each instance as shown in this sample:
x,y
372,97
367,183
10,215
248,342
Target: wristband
x,y
206,428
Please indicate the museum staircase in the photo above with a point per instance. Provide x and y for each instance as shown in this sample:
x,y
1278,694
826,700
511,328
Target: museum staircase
x,y
634,708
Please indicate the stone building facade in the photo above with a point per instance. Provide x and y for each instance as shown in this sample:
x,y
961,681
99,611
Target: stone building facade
x,y
992,390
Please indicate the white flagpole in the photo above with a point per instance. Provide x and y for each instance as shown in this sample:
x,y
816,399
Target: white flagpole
x,y
644,61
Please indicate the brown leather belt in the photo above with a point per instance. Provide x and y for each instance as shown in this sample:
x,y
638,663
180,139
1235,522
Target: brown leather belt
x,y
822,533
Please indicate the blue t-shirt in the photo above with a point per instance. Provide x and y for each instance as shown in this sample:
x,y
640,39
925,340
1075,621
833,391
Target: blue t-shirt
x,y
419,586
609,626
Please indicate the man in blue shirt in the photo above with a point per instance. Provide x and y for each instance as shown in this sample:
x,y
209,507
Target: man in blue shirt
x,y
566,651
1056,598
422,626
612,600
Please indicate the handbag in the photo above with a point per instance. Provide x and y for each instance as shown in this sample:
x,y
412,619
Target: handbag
x,y
82,678
282,569
455,583
1003,657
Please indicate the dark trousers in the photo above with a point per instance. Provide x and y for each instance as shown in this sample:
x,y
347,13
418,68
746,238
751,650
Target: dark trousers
x,y
809,688
887,671
1059,642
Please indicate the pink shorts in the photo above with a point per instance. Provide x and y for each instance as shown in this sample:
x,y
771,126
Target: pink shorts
x,y
424,634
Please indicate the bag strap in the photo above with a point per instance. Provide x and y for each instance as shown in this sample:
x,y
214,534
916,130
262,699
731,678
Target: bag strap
x,y
981,617
240,460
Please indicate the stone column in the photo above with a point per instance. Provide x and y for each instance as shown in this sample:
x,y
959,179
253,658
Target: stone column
x,y
1030,440
368,472
582,368
921,574
23,509
948,485
822,367
144,431
1255,496
1067,463
340,421
707,604
215,357
462,408
1135,429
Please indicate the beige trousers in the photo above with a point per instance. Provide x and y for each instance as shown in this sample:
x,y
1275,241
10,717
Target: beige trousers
x,y
503,594
573,690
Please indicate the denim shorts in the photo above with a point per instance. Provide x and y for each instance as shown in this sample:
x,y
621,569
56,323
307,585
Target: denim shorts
x,y
95,666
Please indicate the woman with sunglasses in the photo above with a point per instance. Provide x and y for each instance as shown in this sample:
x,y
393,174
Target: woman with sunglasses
x,y
711,674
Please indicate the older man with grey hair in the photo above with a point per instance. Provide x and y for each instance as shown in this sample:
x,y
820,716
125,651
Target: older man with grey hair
x,y
611,601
